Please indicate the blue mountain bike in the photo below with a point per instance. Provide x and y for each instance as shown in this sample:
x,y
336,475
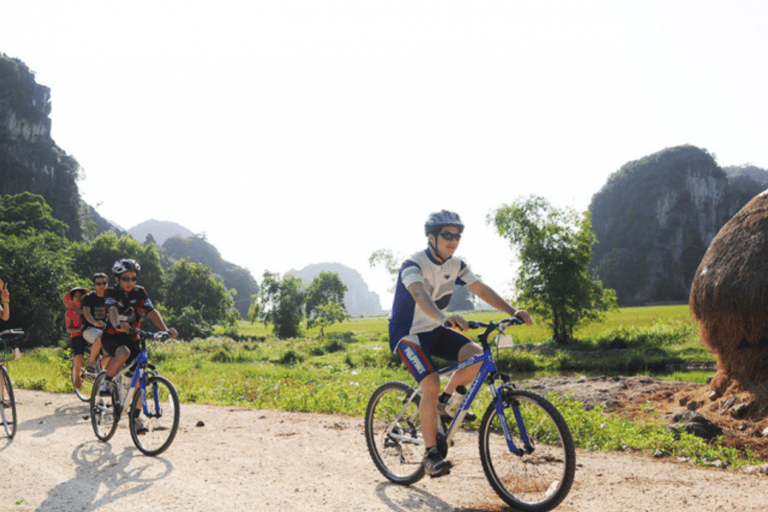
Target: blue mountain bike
x,y
526,448
151,400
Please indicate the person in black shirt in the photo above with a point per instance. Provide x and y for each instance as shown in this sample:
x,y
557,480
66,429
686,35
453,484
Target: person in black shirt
x,y
95,317
126,302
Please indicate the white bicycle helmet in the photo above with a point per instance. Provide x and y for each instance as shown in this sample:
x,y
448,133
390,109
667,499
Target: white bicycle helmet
x,y
125,265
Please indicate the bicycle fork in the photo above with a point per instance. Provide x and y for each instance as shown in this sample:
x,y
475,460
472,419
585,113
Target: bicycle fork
x,y
499,402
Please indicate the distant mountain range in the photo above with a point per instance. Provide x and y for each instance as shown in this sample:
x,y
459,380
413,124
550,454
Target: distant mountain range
x,y
183,243
160,231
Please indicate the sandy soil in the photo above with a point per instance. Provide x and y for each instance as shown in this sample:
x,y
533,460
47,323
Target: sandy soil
x,y
233,459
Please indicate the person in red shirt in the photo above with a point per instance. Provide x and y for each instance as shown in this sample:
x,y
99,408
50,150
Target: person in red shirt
x,y
73,321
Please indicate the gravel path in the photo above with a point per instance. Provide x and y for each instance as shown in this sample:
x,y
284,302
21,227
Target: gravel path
x,y
246,459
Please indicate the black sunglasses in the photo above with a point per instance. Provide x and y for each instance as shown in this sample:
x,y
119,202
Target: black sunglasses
x,y
126,278
450,236
100,283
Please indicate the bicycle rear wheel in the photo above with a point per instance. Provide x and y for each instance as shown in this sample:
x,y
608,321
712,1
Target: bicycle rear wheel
x,y
105,411
539,478
86,384
393,433
7,403
152,434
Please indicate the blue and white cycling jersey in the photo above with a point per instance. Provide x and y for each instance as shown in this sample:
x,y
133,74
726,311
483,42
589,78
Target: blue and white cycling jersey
x,y
407,319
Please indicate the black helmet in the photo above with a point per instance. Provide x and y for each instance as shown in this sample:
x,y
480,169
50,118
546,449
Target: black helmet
x,y
439,220
125,265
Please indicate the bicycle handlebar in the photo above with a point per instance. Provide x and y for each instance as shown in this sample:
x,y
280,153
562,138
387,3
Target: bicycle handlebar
x,y
473,324
11,331
145,335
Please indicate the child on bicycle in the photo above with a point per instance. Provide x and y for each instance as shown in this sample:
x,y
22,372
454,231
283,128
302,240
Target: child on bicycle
x,y
126,302
73,322
417,324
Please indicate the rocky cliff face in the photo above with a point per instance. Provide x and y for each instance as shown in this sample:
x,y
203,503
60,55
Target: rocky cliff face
x,y
29,159
655,218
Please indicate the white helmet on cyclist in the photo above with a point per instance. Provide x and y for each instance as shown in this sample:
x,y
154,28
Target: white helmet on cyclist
x,y
125,265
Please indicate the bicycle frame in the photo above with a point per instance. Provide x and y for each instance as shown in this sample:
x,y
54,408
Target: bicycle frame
x,y
488,372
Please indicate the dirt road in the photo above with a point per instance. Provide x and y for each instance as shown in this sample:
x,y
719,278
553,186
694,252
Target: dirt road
x,y
244,459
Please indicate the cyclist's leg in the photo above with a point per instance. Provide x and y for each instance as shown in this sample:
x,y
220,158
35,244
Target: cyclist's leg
x,y
93,336
78,346
122,349
455,346
430,390
417,359
465,375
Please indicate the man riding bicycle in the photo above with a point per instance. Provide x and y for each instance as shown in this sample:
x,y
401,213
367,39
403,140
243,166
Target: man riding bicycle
x,y
126,302
417,323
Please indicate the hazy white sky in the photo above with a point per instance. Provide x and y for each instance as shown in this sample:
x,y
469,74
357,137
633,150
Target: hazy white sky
x,y
298,132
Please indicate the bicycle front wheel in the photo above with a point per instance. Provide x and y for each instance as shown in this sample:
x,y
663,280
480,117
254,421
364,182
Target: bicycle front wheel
x,y
540,476
393,433
86,384
7,403
105,411
153,433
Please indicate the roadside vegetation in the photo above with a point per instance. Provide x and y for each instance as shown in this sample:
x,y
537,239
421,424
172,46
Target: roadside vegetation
x,y
247,366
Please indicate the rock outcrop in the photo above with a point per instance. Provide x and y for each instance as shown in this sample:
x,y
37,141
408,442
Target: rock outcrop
x,y
30,161
655,218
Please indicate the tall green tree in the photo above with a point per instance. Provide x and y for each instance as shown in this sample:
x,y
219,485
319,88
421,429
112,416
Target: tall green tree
x,y
325,301
325,287
34,261
555,248
27,214
100,254
193,285
280,302
37,270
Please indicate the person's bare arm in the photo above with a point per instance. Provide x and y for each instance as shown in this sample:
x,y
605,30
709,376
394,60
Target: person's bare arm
x,y
5,300
487,294
160,323
91,320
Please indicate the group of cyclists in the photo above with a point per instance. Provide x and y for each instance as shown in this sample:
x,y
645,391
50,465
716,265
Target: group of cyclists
x,y
419,327
103,319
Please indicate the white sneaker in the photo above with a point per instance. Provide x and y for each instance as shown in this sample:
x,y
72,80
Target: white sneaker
x,y
141,429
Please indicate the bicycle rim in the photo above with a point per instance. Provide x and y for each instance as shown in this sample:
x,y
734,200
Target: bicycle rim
x,y
393,433
7,403
162,423
105,412
536,481
86,385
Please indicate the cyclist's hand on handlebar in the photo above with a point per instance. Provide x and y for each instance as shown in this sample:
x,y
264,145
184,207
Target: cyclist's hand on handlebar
x,y
457,322
524,316
173,332
124,327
